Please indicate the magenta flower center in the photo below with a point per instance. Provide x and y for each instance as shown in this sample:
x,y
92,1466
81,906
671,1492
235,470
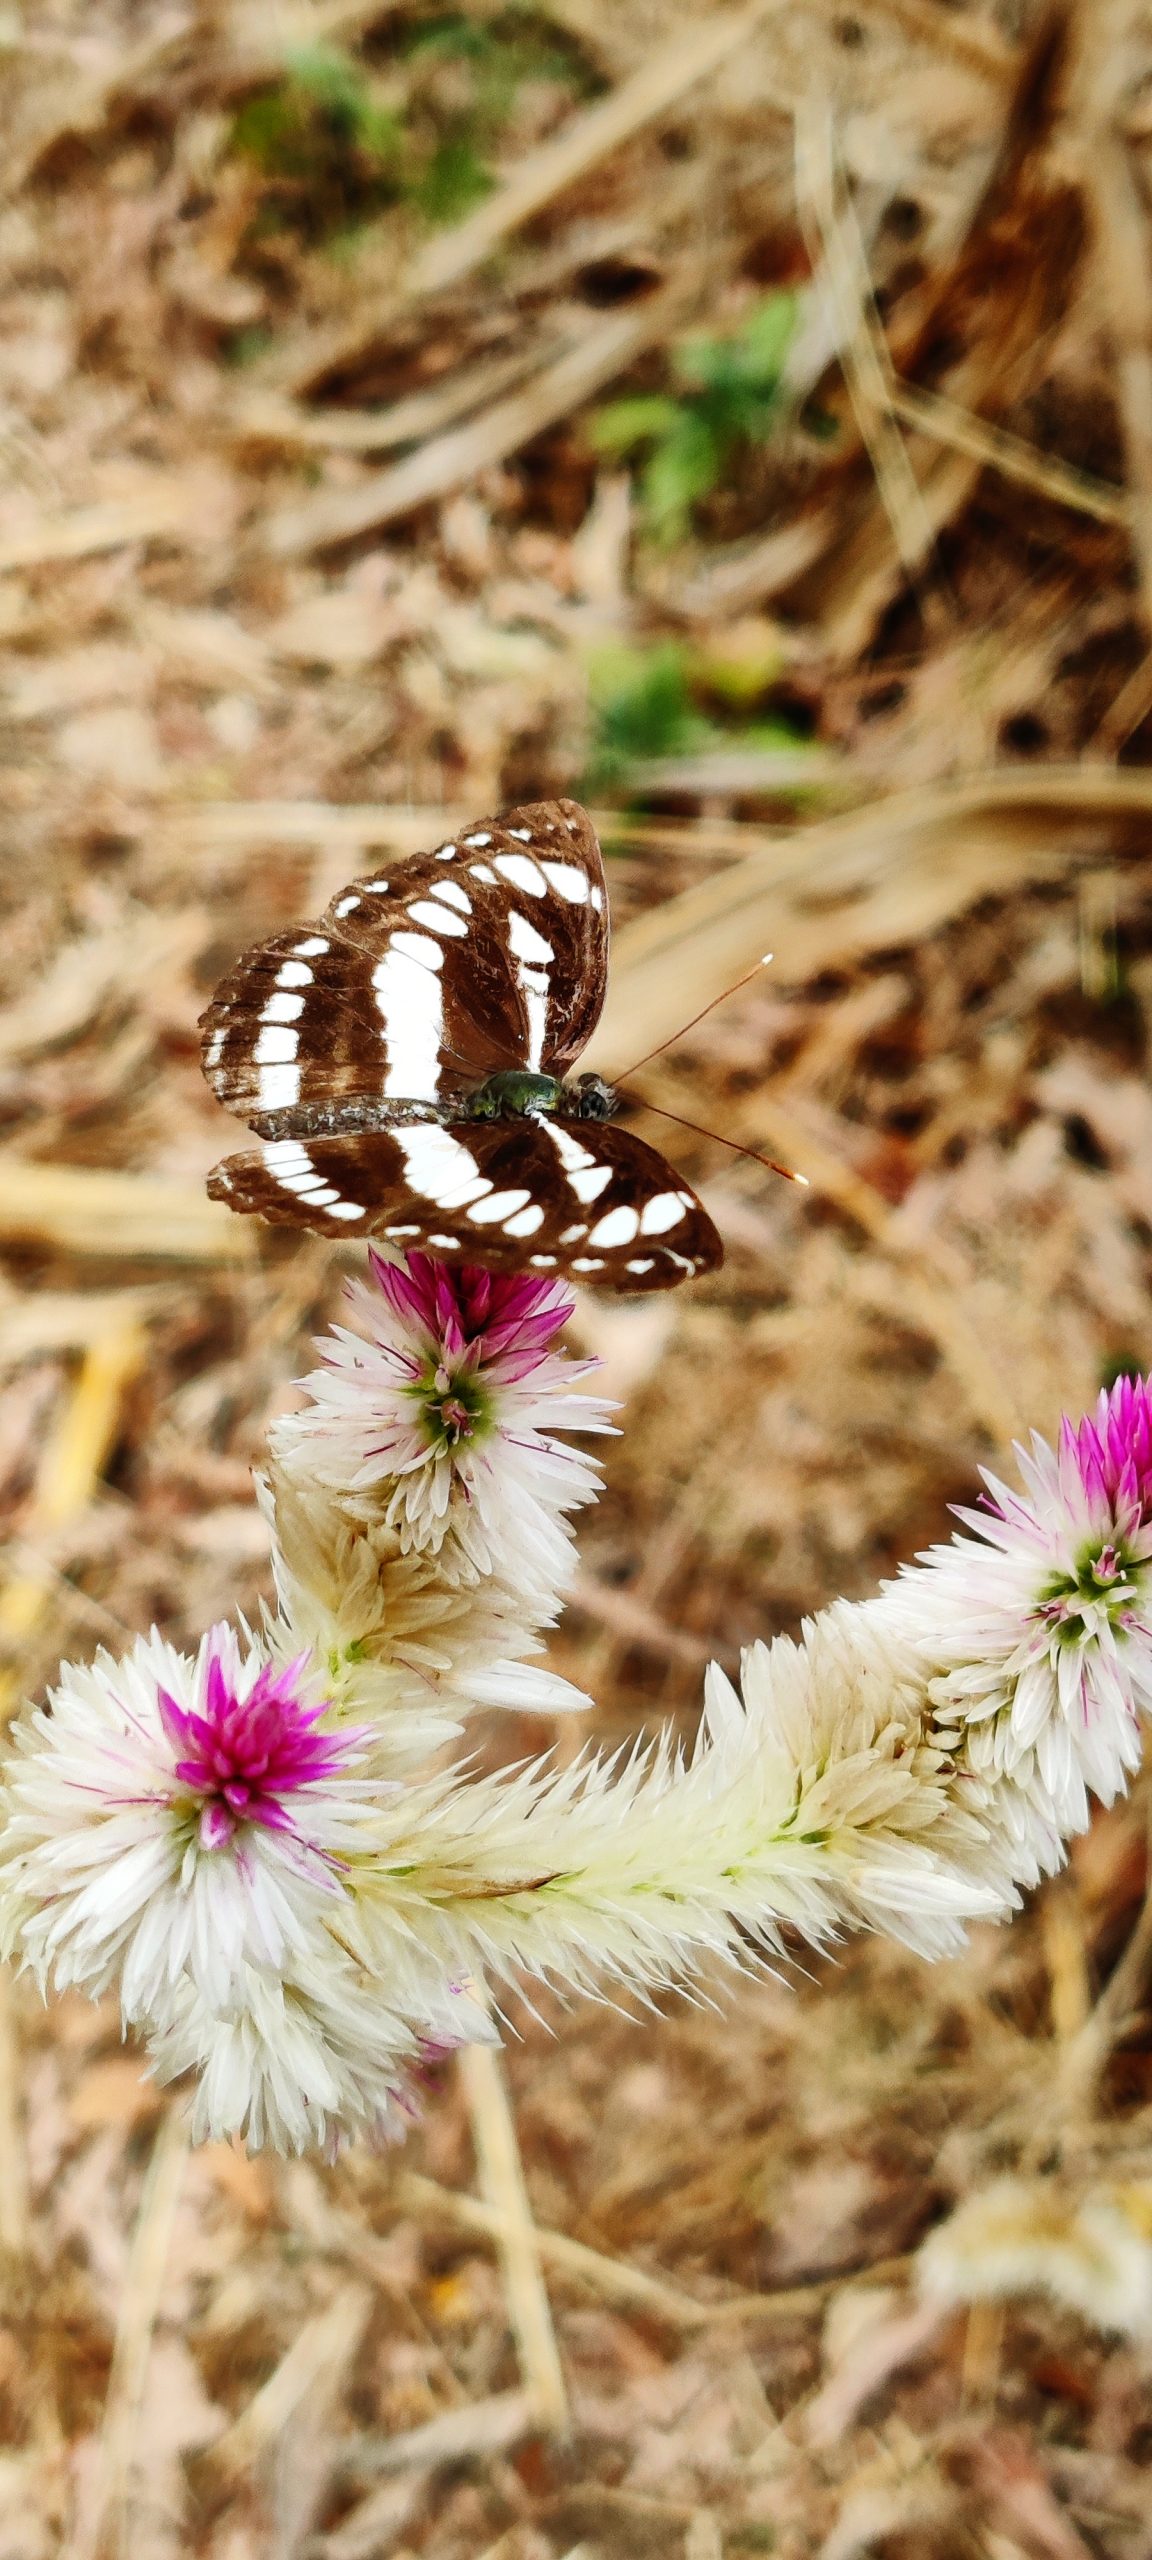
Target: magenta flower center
x,y
247,1758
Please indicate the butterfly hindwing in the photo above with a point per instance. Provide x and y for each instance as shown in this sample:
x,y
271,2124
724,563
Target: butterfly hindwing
x,y
585,1200
425,977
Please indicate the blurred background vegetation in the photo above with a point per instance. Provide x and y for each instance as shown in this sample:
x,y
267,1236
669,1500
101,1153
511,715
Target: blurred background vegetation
x,y
741,416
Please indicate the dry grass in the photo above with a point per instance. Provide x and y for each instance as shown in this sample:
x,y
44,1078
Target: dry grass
x,y
303,543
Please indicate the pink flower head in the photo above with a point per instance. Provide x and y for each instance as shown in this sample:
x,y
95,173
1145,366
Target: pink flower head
x,y
1112,1452
509,1317
447,1404
1043,1629
247,1757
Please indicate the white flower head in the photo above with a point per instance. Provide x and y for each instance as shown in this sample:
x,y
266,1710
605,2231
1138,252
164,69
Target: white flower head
x,y
310,2058
170,1816
443,1412
1039,1628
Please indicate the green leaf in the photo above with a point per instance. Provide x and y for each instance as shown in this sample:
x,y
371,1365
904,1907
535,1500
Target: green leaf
x,y
450,182
624,424
684,467
642,708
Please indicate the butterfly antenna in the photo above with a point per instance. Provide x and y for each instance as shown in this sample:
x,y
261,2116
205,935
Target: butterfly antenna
x,y
705,1009
638,1103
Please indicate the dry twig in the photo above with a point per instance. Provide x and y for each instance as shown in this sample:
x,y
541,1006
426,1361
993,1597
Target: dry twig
x,y
502,2177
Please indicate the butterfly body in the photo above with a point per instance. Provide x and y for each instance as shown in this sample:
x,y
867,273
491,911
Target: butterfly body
x,y
404,1063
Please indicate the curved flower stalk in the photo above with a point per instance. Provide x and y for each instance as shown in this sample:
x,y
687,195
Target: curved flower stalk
x,y
815,1802
297,1903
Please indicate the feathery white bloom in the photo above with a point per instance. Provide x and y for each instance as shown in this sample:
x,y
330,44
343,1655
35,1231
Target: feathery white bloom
x,y
312,2058
1038,1631
169,1816
443,1410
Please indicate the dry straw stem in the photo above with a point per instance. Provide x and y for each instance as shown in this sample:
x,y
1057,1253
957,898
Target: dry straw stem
x,y
107,2525
65,1320
616,2279
326,2344
974,45
171,511
889,874
129,1214
1123,274
450,461
457,2435
949,424
13,2149
1086,2054
266,417
837,251
502,2179
70,1470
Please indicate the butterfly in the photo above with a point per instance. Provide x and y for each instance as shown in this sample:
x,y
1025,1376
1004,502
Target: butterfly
x,y
403,1062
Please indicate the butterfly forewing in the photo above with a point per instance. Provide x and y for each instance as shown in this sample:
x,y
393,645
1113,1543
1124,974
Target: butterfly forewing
x,y
585,1200
423,978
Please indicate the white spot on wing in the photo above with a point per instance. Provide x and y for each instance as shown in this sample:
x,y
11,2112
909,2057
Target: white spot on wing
x,y
525,1222
523,835
483,871
665,1209
276,1045
452,894
617,1226
439,1167
447,853
213,1050
286,1155
279,1087
286,1007
525,941
315,944
597,896
447,1244
586,1178
344,906
478,840
347,1209
294,973
588,1262
376,888
646,1263
497,1208
411,1007
572,1155
521,872
430,912
568,881
542,1261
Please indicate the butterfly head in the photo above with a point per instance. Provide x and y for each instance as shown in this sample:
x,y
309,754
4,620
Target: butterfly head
x,y
590,1098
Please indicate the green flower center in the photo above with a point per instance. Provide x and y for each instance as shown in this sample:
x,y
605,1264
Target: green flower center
x,y
1101,1587
453,1406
